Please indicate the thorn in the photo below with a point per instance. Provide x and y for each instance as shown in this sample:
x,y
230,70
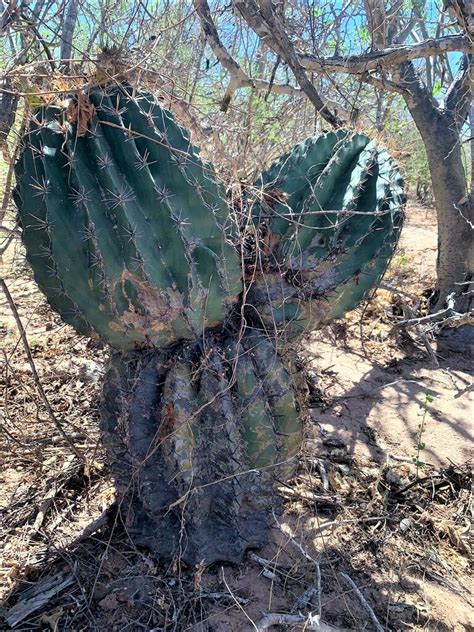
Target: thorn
x,y
179,221
104,161
70,159
43,224
142,161
131,234
93,132
53,271
46,252
138,264
179,160
199,187
123,196
163,193
42,188
79,196
114,111
95,259
88,232
76,312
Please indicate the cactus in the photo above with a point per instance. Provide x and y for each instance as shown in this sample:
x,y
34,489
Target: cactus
x,y
206,429
329,214
124,225
131,239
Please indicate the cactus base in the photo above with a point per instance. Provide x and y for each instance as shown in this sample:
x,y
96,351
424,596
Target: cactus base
x,y
197,444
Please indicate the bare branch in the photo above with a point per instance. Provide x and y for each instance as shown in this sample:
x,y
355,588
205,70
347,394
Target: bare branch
x,y
377,22
382,83
67,32
363,602
463,12
268,27
387,57
459,95
36,378
238,78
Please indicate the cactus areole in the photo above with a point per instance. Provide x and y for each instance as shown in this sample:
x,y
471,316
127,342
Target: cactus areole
x,y
131,239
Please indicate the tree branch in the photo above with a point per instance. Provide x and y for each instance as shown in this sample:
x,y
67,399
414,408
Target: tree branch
x,y
69,25
382,83
268,27
36,378
387,57
238,77
459,95
459,10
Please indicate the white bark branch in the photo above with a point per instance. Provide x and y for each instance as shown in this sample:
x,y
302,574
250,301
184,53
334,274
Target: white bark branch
x,y
387,57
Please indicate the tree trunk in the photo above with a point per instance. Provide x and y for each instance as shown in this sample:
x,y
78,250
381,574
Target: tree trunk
x,y
455,214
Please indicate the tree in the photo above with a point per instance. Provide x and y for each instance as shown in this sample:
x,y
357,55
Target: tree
x,y
397,61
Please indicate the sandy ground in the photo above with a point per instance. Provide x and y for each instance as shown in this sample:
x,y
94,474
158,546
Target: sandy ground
x,y
378,389
370,394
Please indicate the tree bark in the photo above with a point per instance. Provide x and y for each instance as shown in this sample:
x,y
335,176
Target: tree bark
x,y
455,213
69,26
455,263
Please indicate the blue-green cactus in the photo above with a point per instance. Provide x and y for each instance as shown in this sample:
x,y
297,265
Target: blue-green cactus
x,y
126,228
329,214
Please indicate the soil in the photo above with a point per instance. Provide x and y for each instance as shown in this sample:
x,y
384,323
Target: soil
x,y
382,494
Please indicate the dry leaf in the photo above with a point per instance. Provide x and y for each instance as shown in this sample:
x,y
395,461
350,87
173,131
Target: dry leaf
x,y
80,113
52,619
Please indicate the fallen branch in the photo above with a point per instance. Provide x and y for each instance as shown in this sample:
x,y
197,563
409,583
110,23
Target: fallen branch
x,y
317,589
411,312
310,622
223,595
363,602
48,499
36,597
445,317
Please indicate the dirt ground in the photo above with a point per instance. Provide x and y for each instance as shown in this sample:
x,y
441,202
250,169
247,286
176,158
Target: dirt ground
x,y
358,510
